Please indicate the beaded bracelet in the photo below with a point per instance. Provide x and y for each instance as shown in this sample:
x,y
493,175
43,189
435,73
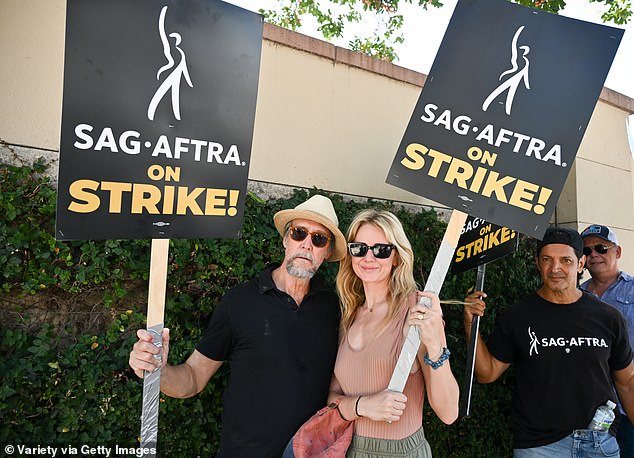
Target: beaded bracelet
x,y
443,357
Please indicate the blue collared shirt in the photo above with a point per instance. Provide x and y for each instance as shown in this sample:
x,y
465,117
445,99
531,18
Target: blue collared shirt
x,y
620,295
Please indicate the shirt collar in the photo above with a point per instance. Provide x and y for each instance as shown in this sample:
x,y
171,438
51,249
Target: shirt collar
x,y
266,282
266,278
622,276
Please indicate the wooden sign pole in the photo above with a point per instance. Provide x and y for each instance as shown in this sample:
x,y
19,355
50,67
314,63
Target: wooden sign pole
x,y
155,317
434,284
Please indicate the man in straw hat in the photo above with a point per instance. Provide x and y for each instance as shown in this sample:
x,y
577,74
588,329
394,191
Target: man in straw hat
x,y
279,331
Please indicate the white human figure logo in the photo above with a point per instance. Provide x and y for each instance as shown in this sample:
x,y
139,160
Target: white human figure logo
x,y
514,81
173,80
534,342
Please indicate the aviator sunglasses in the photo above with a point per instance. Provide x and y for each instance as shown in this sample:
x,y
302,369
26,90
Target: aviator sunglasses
x,y
380,250
318,239
599,248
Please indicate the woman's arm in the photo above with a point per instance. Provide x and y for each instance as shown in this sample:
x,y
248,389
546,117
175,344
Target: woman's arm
x,y
382,406
440,384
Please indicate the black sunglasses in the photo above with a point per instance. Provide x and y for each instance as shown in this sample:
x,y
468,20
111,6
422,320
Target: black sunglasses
x,y
380,250
599,248
319,239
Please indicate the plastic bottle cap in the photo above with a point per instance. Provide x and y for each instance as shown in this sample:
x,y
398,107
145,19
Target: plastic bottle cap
x,y
611,405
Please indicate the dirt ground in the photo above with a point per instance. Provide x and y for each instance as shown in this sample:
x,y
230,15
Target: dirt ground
x,y
69,314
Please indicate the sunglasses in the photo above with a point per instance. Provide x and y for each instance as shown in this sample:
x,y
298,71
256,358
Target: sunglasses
x,y
318,239
599,248
380,250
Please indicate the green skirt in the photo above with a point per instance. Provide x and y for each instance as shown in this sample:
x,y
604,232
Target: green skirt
x,y
414,446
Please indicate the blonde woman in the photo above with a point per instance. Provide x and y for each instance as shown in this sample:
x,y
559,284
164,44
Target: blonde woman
x,y
378,298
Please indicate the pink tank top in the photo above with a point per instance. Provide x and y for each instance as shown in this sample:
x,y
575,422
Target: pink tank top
x,y
369,370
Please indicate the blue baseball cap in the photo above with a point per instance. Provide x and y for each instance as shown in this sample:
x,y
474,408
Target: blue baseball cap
x,y
603,232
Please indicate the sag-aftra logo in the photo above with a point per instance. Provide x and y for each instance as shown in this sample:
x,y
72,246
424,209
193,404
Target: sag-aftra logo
x,y
566,343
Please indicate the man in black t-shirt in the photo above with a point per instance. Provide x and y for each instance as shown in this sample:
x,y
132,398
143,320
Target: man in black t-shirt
x,y
279,332
567,347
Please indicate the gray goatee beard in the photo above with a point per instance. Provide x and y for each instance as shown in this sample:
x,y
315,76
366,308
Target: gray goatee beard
x,y
301,272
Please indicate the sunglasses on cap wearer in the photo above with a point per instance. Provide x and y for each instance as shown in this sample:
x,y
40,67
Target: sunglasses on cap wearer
x,y
379,250
599,248
318,239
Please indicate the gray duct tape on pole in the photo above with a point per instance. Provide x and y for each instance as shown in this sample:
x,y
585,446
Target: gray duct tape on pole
x,y
151,393
155,317
434,284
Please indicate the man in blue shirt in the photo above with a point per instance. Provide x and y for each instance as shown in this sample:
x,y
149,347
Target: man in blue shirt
x,y
615,287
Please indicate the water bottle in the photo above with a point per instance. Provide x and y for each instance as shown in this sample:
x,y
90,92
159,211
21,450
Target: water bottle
x,y
603,417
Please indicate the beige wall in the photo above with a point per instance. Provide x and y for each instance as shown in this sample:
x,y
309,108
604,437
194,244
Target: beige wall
x,y
604,179
326,118
31,73
333,126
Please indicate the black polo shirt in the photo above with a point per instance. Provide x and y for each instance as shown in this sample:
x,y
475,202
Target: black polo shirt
x,y
281,357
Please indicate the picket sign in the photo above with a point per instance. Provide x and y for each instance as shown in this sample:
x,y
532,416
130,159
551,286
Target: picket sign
x,y
434,284
155,318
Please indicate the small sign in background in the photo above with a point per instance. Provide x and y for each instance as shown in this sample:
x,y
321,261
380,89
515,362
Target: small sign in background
x,y
482,242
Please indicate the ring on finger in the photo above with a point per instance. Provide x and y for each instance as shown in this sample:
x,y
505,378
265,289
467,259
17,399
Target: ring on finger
x,y
421,316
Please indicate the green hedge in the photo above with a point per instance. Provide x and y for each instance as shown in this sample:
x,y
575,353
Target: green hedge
x,y
64,378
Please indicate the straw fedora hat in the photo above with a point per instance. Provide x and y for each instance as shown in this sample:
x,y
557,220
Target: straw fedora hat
x,y
320,210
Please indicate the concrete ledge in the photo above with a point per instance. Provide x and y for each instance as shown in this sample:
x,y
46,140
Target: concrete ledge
x,y
340,55
617,99
268,191
21,156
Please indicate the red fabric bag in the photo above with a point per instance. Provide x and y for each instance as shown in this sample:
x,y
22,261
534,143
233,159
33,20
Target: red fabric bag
x,y
324,435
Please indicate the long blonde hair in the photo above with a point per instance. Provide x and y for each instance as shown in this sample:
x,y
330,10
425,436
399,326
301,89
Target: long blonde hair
x,y
401,285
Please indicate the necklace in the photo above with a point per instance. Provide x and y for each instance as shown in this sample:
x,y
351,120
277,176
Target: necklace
x,y
371,309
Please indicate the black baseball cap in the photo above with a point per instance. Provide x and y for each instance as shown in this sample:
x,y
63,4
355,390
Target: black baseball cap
x,y
563,236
